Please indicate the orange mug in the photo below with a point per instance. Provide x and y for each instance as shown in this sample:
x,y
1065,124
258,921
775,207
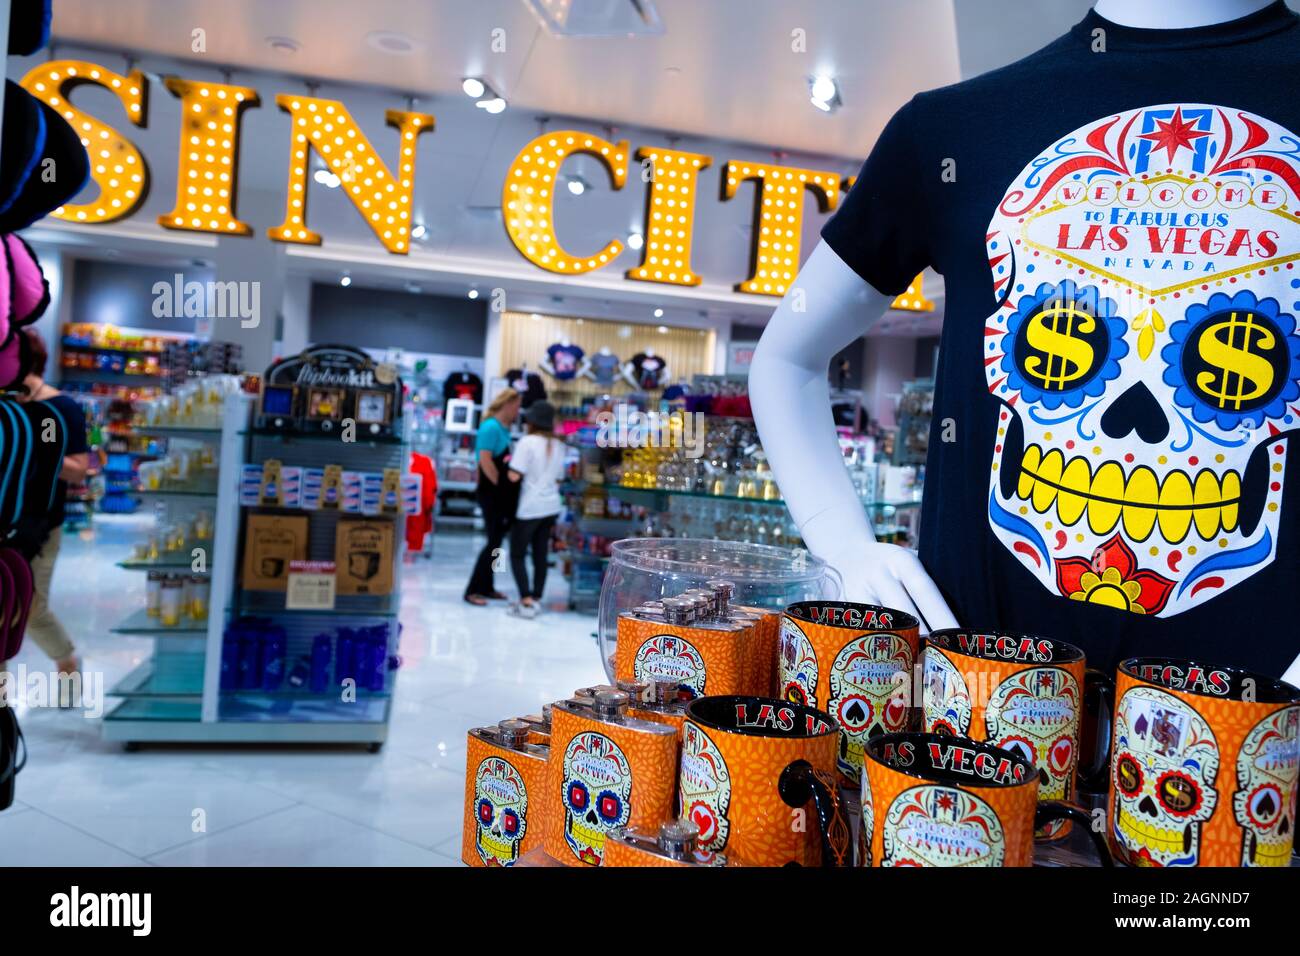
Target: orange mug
x,y
855,662
938,800
1017,692
749,766
1204,767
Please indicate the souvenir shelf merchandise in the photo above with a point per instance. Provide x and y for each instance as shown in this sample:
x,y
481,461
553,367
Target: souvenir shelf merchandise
x,y
258,669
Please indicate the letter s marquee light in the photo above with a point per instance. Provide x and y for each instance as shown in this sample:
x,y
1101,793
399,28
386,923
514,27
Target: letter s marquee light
x,y
116,165
382,198
528,198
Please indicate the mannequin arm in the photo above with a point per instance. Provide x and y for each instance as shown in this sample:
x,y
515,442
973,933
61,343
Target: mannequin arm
x,y
790,395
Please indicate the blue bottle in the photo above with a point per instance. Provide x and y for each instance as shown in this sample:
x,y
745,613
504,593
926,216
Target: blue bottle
x,y
298,674
321,652
345,656
250,656
230,657
372,662
274,642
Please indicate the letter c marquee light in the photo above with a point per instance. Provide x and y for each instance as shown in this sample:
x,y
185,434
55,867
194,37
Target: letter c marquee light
x,y
528,198
116,165
382,198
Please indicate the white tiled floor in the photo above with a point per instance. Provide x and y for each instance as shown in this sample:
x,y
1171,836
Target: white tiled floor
x,y
82,801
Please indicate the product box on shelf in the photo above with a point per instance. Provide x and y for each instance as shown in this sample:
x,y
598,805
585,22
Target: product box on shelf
x,y
271,542
363,551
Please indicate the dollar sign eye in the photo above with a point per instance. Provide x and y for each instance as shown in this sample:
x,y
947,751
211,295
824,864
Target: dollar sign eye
x,y
1235,360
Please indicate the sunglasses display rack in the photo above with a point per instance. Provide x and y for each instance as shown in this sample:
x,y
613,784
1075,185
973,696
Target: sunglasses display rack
x,y
253,670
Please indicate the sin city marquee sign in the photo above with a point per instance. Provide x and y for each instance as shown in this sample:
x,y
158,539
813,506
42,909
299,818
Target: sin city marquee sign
x,y
207,191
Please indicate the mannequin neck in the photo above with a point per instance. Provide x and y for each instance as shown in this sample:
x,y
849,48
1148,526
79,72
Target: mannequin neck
x,y
1185,14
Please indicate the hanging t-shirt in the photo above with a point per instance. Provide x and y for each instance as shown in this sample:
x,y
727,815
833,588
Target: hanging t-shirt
x,y
463,385
647,369
527,384
565,360
1119,375
605,366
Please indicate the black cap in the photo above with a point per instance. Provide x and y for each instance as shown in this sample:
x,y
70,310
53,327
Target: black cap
x,y
541,415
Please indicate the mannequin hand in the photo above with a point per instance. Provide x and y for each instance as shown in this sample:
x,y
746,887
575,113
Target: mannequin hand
x,y
891,576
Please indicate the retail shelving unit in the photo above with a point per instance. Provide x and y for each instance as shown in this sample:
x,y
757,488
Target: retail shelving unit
x,y
178,696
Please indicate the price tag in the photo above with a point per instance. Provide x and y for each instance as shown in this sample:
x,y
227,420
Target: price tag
x,y
311,586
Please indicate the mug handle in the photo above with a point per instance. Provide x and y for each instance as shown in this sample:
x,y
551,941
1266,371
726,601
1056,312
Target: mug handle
x,y
1098,697
800,782
1050,811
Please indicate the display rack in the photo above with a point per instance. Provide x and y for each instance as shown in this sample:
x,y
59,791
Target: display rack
x,y
176,695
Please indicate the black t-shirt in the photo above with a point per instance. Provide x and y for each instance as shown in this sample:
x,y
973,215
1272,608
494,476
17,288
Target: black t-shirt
x,y
647,369
463,385
527,384
1119,376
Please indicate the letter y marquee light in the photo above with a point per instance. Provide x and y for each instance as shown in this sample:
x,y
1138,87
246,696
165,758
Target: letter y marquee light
x,y
116,165
528,198
209,156
382,198
780,218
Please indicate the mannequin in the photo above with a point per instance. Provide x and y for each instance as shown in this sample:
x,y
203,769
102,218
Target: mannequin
x,y
789,389
604,368
645,370
564,360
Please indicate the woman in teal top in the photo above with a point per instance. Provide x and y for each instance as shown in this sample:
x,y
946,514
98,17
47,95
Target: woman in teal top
x,y
497,496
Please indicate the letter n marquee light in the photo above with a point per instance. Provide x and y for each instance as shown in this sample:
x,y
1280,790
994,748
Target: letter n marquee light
x,y
208,169
528,198
779,219
382,198
116,165
670,216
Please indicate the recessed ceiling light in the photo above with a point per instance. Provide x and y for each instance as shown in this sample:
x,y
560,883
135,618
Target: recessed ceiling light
x,y
392,42
493,105
346,280
577,185
473,293
326,178
474,87
663,330
286,45
535,317
418,231
824,93
635,240
659,313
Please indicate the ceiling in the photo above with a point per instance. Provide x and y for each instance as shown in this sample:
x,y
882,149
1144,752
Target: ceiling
x,y
728,76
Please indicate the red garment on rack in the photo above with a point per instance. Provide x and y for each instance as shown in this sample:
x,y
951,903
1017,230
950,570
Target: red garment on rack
x,y
418,525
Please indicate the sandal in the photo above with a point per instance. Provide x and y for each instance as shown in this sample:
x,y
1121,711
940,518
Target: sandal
x,y
477,600
497,596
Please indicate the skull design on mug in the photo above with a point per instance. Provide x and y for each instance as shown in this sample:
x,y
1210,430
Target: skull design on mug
x,y
501,808
1145,355
1036,713
1164,767
797,665
1265,802
869,680
933,825
945,697
597,793
705,791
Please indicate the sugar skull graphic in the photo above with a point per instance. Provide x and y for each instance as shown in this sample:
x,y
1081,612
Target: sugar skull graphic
x,y
869,682
797,665
704,794
1035,712
1265,802
1145,355
597,794
1163,771
501,809
941,826
945,701
667,658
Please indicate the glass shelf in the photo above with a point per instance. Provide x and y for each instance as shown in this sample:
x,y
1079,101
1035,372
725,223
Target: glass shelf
x,y
156,708
141,624
171,675
335,436
267,609
204,488
200,432
182,559
646,495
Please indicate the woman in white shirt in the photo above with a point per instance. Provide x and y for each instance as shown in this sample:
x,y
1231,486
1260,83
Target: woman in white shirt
x,y
538,463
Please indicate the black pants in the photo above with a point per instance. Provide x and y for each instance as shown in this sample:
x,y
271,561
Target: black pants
x,y
497,517
534,533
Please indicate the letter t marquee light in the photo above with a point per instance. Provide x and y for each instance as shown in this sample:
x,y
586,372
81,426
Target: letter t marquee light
x,y
779,223
116,165
382,198
528,198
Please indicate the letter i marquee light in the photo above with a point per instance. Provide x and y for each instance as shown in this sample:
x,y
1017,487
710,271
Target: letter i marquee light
x,y
528,198
208,167
382,198
670,216
116,165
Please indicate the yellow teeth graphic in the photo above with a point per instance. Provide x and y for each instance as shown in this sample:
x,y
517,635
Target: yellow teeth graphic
x,y
1141,500
500,850
1272,854
1140,834
587,836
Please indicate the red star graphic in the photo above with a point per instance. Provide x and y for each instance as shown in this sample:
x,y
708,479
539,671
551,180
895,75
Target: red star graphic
x,y
1174,135
945,802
